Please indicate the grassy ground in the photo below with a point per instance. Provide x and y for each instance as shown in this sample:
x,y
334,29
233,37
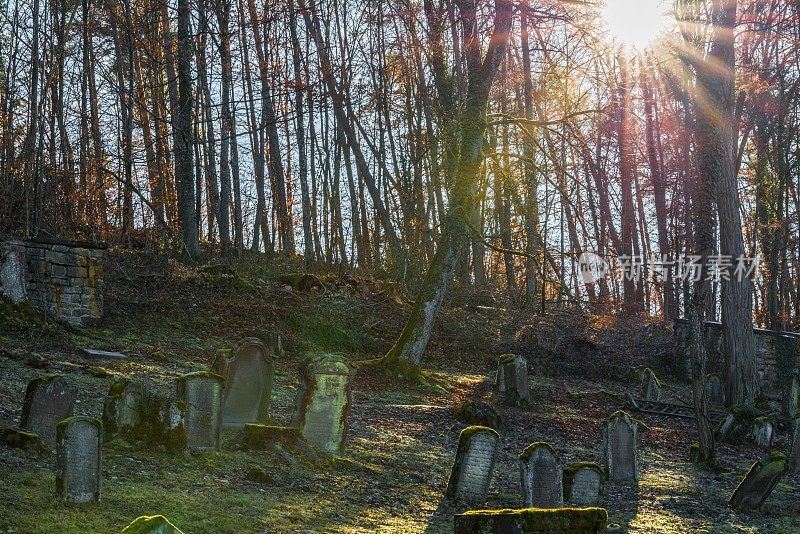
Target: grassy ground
x,y
172,319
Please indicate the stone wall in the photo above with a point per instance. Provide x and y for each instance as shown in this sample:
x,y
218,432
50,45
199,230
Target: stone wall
x,y
63,280
777,353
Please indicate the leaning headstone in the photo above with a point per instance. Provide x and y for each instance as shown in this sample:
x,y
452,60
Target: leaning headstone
x,y
78,459
532,521
540,470
323,401
619,447
124,408
651,387
201,394
763,432
793,397
151,524
48,400
736,424
512,380
758,483
248,373
794,444
583,484
473,467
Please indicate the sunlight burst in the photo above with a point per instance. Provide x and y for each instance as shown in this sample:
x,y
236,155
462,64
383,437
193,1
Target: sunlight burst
x,y
635,23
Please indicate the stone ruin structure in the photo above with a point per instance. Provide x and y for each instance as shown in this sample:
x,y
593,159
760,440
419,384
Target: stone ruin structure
x,y
60,279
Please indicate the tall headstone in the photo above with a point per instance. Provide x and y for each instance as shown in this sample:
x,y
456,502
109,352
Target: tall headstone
x,y
793,397
758,483
512,380
651,387
48,400
248,373
794,444
323,401
541,473
201,395
715,391
12,276
78,459
474,464
619,447
583,484
124,408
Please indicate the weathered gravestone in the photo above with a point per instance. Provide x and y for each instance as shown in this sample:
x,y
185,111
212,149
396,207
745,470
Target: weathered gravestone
x,y
793,397
323,401
201,394
473,467
124,408
12,276
48,400
794,444
763,432
758,483
619,447
583,483
78,459
714,390
151,524
248,372
532,521
540,470
512,380
651,387
736,424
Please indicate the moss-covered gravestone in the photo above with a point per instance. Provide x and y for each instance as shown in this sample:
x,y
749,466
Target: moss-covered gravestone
x,y
736,425
794,444
758,483
323,401
151,524
201,395
48,400
248,373
512,380
541,474
532,521
763,432
124,408
651,387
583,483
619,447
78,459
473,467
714,390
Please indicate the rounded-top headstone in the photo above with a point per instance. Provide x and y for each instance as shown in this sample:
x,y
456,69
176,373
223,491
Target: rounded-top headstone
x,y
201,395
583,483
323,401
471,474
619,447
78,459
248,372
48,400
541,473
151,524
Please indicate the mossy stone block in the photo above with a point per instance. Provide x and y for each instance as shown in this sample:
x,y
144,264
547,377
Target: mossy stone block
x,y
151,524
532,521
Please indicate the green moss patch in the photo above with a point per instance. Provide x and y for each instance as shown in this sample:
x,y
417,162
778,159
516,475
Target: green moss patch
x,y
533,521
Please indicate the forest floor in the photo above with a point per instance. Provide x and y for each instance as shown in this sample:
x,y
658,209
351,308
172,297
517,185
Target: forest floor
x,y
171,318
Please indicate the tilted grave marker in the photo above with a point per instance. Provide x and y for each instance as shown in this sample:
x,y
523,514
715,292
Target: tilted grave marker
x,y
323,401
651,387
758,483
471,474
48,401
